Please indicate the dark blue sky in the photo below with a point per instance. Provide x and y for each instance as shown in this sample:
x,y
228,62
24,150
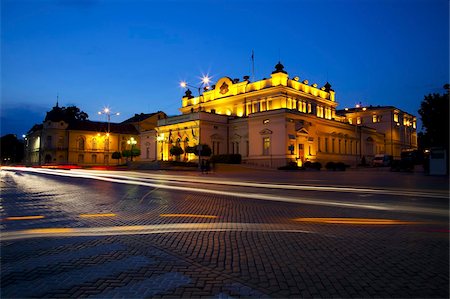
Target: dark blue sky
x,y
131,55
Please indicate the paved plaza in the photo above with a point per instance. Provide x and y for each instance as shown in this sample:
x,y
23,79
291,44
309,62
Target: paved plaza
x,y
98,239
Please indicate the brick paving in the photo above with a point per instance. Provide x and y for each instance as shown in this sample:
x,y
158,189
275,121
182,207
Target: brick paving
x,y
291,260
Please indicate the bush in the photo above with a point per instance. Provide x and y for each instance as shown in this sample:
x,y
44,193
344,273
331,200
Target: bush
x,y
336,166
227,159
341,166
330,166
116,155
289,166
312,165
176,151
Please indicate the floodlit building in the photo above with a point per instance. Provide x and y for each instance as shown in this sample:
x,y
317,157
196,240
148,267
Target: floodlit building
x,y
278,120
398,127
61,139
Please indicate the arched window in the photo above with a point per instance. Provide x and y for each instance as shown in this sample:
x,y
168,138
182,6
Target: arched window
x,y
94,143
80,143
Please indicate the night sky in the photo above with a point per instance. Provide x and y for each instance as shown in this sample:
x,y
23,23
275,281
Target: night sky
x,y
131,55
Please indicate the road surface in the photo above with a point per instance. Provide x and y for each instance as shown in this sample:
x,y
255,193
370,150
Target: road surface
x,y
105,234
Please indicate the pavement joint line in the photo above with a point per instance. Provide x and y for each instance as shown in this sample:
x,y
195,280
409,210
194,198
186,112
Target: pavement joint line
x,y
302,200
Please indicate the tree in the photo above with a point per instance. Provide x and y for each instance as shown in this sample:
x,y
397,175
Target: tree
x,y
176,151
116,156
74,113
434,113
135,152
206,151
12,149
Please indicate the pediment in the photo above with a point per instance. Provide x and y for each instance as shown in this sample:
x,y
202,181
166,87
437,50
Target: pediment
x,y
265,132
302,131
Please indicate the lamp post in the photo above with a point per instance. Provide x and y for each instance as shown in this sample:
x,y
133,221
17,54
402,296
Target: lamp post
x,y
204,83
131,142
358,126
107,112
160,139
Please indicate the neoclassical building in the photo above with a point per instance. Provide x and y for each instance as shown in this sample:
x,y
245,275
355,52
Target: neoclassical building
x,y
63,140
278,120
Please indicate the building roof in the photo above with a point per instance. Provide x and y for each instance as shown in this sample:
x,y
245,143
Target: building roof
x,y
139,117
96,126
342,112
35,128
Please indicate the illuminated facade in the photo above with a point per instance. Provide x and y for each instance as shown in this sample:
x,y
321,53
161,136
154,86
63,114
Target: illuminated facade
x,y
398,127
81,142
275,121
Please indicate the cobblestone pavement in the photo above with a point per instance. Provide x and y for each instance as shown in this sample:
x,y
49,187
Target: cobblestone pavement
x,y
97,239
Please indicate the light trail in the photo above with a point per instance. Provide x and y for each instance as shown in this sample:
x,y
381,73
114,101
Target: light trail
x,y
183,179
358,221
196,180
97,215
23,218
188,216
269,197
146,230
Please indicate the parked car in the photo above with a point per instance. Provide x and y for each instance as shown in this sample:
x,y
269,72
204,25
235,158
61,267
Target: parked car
x,y
382,160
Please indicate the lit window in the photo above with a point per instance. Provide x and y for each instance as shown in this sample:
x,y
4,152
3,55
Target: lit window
x,y
374,118
350,121
266,146
396,117
358,120
414,124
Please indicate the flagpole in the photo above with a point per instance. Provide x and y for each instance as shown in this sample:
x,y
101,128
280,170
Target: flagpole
x,y
253,66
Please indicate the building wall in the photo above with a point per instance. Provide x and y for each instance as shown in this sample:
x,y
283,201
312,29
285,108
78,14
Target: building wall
x,y
56,144
398,127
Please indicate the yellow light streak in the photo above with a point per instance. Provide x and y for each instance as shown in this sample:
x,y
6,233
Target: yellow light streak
x,y
356,221
48,230
188,215
24,217
97,215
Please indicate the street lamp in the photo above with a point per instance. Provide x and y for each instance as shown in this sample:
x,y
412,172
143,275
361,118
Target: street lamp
x,y
131,142
204,83
107,112
358,124
160,139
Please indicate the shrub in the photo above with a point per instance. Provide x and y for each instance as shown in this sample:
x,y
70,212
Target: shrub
x,y
336,166
289,166
330,166
312,165
227,159
316,165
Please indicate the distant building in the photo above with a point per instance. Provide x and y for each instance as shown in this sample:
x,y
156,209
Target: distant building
x,y
64,140
278,120
398,127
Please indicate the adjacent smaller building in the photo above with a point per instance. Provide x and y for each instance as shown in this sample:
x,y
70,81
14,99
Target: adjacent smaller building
x,y
67,139
398,127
